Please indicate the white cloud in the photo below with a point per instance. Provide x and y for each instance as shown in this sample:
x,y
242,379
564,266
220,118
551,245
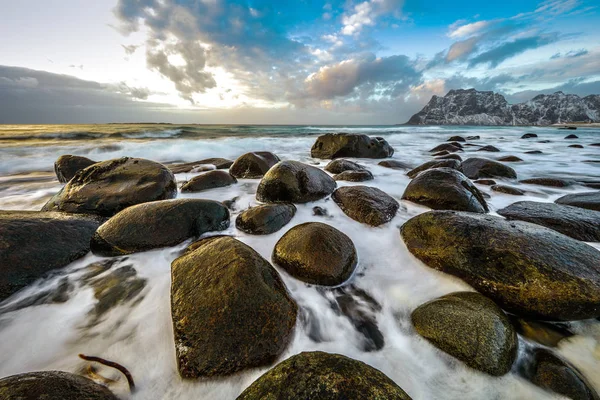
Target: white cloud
x,y
466,30
24,83
366,14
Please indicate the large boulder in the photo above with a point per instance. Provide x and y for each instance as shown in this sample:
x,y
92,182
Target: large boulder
x,y
476,168
445,189
208,180
588,200
323,376
578,223
217,163
337,145
449,147
551,182
265,219
340,165
158,224
525,268
231,310
52,385
394,164
67,166
294,182
33,243
354,176
253,165
316,253
449,163
107,187
448,323
366,204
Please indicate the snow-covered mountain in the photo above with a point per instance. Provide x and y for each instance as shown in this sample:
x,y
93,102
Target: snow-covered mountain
x,y
472,107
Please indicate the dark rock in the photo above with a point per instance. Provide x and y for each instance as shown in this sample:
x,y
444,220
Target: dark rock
x,y
489,148
476,168
340,165
534,152
477,137
445,189
33,243
488,182
294,182
366,204
589,200
231,310
118,287
510,159
595,144
449,147
525,268
576,146
552,182
320,211
107,187
453,156
529,136
457,139
316,253
354,176
67,166
265,219
52,385
470,327
218,163
453,164
544,141
441,153
208,180
578,223
58,294
337,145
253,165
318,375
158,224
508,190
571,136
394,164
545,333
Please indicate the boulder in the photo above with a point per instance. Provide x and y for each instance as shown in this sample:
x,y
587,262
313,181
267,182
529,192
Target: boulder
x,y
457,139
571,136
507,190
510,159
470,327
218,163
441,153
529,136
476,168
476,137
340,165
394,164
576,146
231,310
453,164
487,182
107,187
158,224
445,189
489,148
354,176
534,152
366,204
253,165
67,166
33,243
208,180
265,219
578,223
316,253
552,182
449,147
545,333
294,182
52,385
527,269
323,376
453,156
588,200
337,145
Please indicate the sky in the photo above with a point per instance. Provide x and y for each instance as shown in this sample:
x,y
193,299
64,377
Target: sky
x,y
284,62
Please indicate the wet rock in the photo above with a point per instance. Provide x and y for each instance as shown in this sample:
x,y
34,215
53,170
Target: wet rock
x,y
316,253
595,144
545,333
510,159
354,176
453,156
476,168
578,223
218,163
337,145
470,327
544,141
67,166
107,187
33,243
158,224
340,165
208,180
56,295
318,375
529,136
588,200
552,182
477,137
508,190
457,139
320,211
118,287
394,164
445,189
294,182
52,385
449,147
534,152
487,182
230,204
571,136
442,153
453,164
460,146
527,269
365,204
253,165
489,148
231,310
576,146
265,219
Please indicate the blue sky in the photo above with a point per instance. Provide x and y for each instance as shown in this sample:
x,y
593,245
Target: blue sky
x,y
217,61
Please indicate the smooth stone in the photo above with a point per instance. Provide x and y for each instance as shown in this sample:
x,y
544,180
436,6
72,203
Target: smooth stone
x,y
476,168
552,182
487,182
340,165
208,180
529,136
457,139
477,137
52,385
453,156
265,219
338,145
453,164
545,333
218,163
354,176
508,190
449,147
67,166
571,137
576,146
394,164
365,204
316,253
510,159
588,200
253,165
534,152
489,148
320,211
441,153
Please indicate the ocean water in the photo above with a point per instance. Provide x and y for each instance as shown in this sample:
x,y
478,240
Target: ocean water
x,y
138,333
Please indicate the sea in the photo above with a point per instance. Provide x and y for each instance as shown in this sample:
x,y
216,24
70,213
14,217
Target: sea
x,y
138,334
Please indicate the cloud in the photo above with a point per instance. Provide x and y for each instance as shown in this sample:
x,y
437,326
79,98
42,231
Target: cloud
x,y
367,13
129,50
467,29
506,50
462,49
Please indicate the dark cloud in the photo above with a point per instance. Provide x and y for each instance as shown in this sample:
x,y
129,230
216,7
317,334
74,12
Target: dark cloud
x,y
129,50
507,50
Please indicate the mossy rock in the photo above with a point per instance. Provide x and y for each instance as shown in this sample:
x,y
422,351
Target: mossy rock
x,y
218,163
508,190
450,163
340,165
208,180
52,385
338,145
366,204
323,376
253,165
354,176
588,200
265,219
475,168
67,166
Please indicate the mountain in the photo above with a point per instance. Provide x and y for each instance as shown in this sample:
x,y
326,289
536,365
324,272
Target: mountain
x,y
473,107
